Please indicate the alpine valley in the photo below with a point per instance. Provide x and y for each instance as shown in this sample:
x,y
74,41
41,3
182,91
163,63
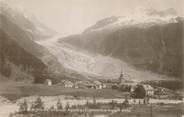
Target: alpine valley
x,y
145,47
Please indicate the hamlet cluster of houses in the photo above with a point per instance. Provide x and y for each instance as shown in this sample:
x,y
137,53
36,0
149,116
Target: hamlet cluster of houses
x,y
99,85
83,84
122,81
79,84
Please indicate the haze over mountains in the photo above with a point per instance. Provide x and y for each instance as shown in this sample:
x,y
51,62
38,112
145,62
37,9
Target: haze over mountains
x,y
148,47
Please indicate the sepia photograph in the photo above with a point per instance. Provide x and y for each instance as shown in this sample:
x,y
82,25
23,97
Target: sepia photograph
x,y
91,58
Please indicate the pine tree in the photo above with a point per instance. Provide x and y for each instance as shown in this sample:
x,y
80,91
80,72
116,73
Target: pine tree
x,y
38,104
134,100
126,103
94,100
23,107
59,105
67,107
113,104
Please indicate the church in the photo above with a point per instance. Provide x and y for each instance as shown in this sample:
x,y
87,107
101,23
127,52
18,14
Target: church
x,y
122,80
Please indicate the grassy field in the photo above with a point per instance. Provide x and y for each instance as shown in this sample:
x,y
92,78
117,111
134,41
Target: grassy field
x,y
14,91
170,110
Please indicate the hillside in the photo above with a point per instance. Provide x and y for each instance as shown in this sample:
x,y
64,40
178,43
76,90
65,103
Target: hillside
x,y
16,63
35,29
20,57
152,42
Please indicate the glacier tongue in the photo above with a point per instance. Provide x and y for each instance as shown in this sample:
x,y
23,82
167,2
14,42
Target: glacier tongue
x,y
96,65
72,59
67,56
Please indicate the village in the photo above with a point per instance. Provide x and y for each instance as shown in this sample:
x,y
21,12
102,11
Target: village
x,y
155,100
88,98
135,89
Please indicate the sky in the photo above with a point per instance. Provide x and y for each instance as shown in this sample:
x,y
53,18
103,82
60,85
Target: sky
x,y
73,16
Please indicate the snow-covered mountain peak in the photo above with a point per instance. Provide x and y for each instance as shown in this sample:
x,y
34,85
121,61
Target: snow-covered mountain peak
x,y
149,11
142,17
135,20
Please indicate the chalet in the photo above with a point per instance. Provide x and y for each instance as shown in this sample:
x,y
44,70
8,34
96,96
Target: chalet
x,y
80,84
132,85
109,85
163,93
104,86
162,89
67,84
149,90
99,85
75,85
48,82
89,85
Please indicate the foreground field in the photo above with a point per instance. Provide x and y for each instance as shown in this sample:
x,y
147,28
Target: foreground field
x,y
168,110
137,110
17,92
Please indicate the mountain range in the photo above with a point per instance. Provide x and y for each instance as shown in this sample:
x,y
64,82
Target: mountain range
x,y
149,42
144,47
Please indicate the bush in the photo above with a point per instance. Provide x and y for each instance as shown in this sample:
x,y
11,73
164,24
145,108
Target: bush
x,y
59,105
38,104
113,104
23,107
67,107
139,92
125,88
115,87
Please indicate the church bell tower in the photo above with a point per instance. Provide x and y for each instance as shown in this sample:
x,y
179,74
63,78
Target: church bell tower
x,y
121,78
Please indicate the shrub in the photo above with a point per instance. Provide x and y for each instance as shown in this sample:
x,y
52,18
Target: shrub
x,y
139,92
38,104
23,107
59,105
67,107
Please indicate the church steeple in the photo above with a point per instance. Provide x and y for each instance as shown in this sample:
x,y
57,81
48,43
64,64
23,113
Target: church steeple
x,y
121,78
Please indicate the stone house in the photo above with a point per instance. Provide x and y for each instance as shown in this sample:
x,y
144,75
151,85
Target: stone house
x,y
68,84
149,89
48,82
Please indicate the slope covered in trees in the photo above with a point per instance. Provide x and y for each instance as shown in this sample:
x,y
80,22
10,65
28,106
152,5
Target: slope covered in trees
x,y
16,63
21,57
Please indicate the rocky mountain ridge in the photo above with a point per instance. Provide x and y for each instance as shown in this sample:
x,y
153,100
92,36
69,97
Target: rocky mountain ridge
x,y
151,43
